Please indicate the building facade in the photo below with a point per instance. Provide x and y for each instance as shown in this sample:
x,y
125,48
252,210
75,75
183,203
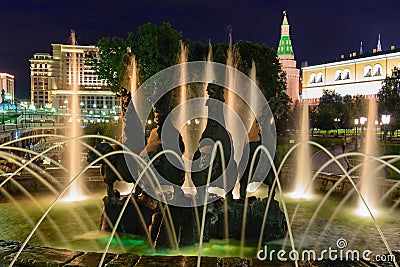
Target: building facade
x,y
288,63
361,74
52,79
44,75
7,84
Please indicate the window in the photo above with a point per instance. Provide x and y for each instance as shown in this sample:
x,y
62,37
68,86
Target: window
x,y
338,75
377,70
313,78
368,71
346,74
320,77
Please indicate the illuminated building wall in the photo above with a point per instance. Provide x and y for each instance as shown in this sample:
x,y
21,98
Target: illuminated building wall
x,y
52,77
355,75
7,83
43,78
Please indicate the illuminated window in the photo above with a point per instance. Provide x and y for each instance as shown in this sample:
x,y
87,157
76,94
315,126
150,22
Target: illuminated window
x,y
368,71
338,75
346,74
377,70
313,78
320,77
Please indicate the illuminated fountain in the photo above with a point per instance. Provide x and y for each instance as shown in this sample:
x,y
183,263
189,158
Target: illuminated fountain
x,y
303,187
371,173
75,192
81,232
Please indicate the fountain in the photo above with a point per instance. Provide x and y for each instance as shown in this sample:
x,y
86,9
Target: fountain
x,y
303,187
371,173
74,151
152,222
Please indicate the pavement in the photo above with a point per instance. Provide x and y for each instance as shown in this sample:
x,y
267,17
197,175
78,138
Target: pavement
x,y
321,157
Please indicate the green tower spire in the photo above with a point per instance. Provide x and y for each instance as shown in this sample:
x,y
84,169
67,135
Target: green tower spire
x,y
285,44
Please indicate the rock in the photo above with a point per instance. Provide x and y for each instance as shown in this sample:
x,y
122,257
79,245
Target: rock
x,y
275,225
175,261
159,261
275,263
232,262
8,247
90,259
43,256
125,259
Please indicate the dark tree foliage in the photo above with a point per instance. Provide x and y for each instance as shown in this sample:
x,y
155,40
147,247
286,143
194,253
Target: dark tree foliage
x,y
270,77
329,107
108,63
389,98
333,106
155,48
347,118
280,107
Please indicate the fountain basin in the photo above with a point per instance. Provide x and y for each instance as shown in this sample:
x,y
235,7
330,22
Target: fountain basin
x,y
45,256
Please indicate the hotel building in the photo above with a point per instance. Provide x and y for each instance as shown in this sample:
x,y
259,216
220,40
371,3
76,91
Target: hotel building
x,y
52,81
7,83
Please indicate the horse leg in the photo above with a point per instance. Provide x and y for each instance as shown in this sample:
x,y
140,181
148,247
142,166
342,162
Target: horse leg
x,y
108,179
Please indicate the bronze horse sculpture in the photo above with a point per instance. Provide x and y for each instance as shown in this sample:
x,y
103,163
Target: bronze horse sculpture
x,y
133,137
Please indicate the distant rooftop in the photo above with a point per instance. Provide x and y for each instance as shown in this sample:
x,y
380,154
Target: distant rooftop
x,y
354,55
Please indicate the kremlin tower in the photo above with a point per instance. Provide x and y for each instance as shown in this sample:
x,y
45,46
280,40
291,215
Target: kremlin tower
x,y
288,63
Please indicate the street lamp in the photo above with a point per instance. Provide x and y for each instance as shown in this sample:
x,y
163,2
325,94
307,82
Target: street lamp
x,y
105,111
81,104
356,121
94,111
385,121
337,120
363,120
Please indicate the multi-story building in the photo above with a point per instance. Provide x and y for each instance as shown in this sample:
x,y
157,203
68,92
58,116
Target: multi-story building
x,y
52,80
288,63
360,74
44,75
7,83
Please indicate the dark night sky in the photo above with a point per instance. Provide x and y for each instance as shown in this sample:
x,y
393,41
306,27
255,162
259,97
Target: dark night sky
x,y
321,30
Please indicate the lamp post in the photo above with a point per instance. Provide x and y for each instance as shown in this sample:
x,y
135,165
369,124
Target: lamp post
x,y
363,120
66,109
385,121
337,120
356,121
81,104
94,110
2,118
105,111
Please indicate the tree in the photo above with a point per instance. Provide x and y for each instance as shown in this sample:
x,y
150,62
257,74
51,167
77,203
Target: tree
x,y
329,108
155,48
270,77
347,119
360,106
107,63
280,109
389,98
